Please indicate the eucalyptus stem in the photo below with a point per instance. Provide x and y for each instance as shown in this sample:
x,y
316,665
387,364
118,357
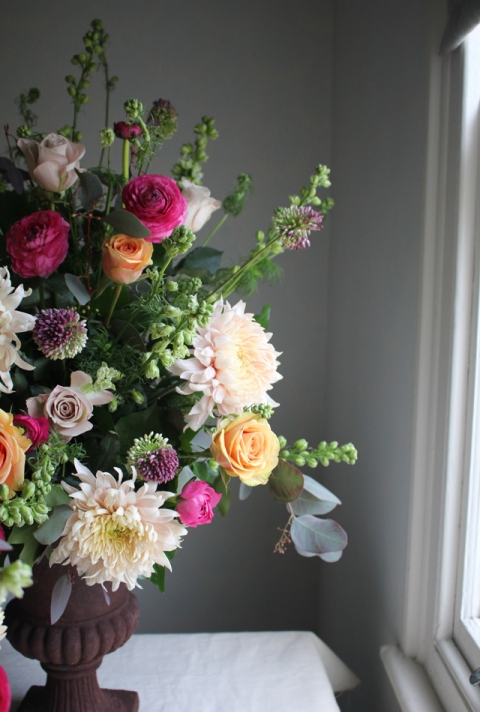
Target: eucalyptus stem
x,y
217,227
115,295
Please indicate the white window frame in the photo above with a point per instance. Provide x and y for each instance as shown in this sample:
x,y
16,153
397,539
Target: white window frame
x,y
428,670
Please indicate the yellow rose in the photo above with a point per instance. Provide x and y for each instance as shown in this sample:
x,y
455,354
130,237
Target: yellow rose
x,y
246,448
124,258
13,446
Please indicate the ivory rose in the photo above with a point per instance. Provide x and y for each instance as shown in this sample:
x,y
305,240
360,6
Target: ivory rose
x,y
157,202
200,205
52,162
124,258
38,243
246,448
13,446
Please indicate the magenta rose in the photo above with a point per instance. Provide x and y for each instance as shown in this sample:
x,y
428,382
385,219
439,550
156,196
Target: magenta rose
x,y
157,202
35,429
5,691
38,244
197,503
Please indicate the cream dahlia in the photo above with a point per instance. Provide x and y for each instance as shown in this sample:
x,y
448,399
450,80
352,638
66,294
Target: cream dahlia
x,y
116,534
12,322
233,365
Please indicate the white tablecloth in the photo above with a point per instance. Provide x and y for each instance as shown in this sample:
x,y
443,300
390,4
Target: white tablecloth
x,y
213,672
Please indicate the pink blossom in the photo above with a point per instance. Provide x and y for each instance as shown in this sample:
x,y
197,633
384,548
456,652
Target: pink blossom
x,y
127,129
35,429
197,503
5,692
38,244
53,162
157,202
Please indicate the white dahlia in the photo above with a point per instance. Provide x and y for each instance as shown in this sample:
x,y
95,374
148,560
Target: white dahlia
x,y
116,534
233,365
12,322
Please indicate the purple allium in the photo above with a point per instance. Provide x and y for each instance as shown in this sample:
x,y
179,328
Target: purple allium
x,y
158,466
60,333
163,114
294,225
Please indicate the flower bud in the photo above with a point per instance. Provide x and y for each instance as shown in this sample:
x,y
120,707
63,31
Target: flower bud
x,y
27,514
301,444
167,358
28,490
282,441
171,286
160,329
311,462
127,130
299,461
172,312
152,371
4,492
137,397
133,108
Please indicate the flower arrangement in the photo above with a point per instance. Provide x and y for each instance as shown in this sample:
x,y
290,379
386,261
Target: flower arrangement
x,y
132,389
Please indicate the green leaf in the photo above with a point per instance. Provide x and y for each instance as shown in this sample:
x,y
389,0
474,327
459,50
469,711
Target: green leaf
x,y
107,452
137,424
264,317
25,536
52,529
158,576
130,335
56,497
90,190
77,288
314,499
104,420
204,472
127,224
318,537
219,486
286,482
201,258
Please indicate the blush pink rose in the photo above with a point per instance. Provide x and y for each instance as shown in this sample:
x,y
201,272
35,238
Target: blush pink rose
x,y
157,202
53,162
35,429
38,244
5,692
197,503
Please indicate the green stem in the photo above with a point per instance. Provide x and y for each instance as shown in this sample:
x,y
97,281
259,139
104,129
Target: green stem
x,y
217,227
115,295
41,290
107,107
52,205
126,159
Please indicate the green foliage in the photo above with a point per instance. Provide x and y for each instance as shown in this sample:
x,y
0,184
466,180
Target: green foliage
x,y
234,203
158,576
194,155
301,454
24,101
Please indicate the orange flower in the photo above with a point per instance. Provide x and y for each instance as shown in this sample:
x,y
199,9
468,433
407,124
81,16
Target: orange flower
x,y
246,448
125,258
13,446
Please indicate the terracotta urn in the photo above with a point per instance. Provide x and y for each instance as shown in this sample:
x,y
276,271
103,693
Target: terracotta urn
x,y
71,650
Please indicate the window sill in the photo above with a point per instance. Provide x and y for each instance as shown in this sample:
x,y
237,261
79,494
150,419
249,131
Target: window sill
x,y
410,682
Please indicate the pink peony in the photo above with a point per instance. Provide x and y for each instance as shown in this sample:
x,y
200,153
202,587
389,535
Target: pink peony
x,y
5,692
38,244
197,503
157,202
35,429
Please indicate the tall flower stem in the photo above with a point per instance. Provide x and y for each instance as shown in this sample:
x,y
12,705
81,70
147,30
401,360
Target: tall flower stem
x,y
126,159
217,227
115,295
107,108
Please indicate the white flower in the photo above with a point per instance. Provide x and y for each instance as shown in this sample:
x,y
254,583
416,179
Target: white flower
x,y
233,365
200,205
12,322
3,628
116,534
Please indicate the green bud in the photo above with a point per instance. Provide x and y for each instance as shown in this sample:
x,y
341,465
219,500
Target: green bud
x,y
113,405
84,99
167,358
299,461
285,454
107,137
311,462
188,336
181,351
172,312
27,514
75,59
3,513
133,108
282,441
152,371
24,131
4,492
171,286
325,461
138,397
72,91
28,490
82,57
158,330
301,444
14,578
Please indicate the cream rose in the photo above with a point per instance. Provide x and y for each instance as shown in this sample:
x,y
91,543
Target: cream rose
x,y
13,446
124,258
52,162
200,205
246,448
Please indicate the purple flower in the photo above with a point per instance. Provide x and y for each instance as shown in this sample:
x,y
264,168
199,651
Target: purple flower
x,y
294,225
127,129
160,465
60,333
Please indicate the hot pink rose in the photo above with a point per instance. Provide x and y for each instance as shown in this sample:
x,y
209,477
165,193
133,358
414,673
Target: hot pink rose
x,y
197,503
5,692
38,244
157,202
35,429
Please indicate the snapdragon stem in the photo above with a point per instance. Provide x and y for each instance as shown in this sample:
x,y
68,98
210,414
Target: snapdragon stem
x,y
115,295
126,159
217,227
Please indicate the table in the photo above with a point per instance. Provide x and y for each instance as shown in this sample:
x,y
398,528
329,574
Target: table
x,y
212,672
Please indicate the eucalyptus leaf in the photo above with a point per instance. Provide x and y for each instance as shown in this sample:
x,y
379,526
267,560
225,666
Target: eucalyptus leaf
x,y
314,499
201,258
129,334
90,190
107,453
16,178
317,537
51,530
244,491
5,546
60,596
77,288
127,224
201,441
285,482
5,163
184,476
137,424
107,597
25,536
219,486
56,497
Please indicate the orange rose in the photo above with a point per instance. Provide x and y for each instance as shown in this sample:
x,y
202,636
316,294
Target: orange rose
x,y
13,446
125,258
246,448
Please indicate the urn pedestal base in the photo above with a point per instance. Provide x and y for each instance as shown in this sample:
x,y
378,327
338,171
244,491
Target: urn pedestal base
x,y
38,700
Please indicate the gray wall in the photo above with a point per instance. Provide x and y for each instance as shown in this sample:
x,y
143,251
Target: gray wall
x,y
380,92
265,76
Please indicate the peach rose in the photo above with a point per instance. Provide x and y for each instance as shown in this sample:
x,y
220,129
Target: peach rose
x,y
52,162
125,258
13,446
246,448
